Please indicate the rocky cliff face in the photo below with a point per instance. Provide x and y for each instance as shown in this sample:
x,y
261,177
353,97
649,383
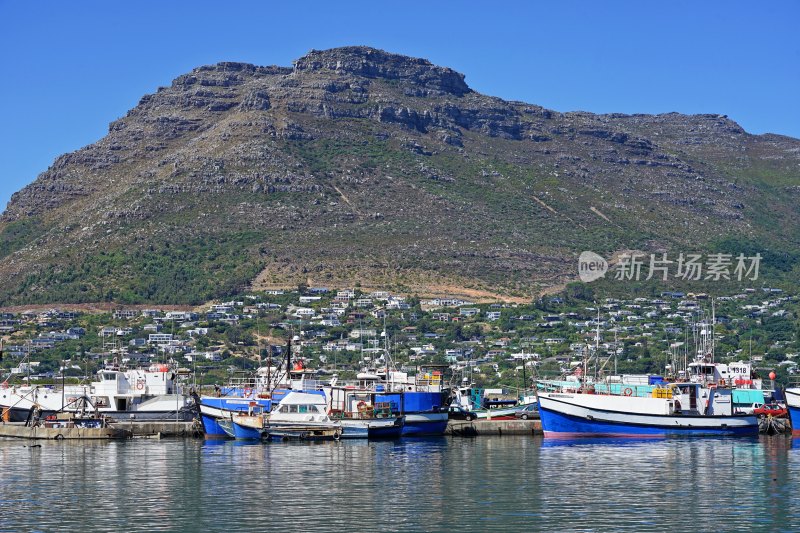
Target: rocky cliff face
x,y
357,165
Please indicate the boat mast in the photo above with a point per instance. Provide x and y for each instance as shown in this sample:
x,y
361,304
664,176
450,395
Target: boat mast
x,y
63,369
686,353
289,362
597,343
28,367
524,377
713,324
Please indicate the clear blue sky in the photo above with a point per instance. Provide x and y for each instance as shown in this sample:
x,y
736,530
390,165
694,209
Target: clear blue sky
x,y
70,68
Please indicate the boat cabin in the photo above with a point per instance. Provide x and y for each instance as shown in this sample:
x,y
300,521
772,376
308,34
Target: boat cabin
x,y
738,374
693,398
301,407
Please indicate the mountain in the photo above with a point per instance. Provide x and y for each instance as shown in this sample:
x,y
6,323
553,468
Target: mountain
x,y
361,166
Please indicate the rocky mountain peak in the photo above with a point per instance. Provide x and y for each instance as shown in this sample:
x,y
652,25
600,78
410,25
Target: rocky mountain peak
x,y
374,63
358,165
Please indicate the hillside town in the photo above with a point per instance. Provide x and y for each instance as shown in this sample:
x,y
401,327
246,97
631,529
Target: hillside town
x,y
341,332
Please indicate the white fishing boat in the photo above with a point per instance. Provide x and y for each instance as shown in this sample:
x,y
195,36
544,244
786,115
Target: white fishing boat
x,y
302,415
141,394
682,409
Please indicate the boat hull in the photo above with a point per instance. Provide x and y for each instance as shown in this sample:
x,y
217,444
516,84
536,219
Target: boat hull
x,y
297,432
424,424
562,418
226,425
793,405
375,428
387,431
232,429
212,409
211,427
355,431
246,433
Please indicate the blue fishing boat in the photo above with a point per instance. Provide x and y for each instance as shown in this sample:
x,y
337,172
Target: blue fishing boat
x,y
247,426
361,415
422,399
260,392
682,409
425,412
793,404
213,409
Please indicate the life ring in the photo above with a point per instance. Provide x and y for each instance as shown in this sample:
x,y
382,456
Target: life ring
x,y
140,385
361,406
628,391
248,391
722,383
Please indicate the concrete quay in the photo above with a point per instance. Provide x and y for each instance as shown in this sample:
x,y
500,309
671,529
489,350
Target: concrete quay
x,y
460,428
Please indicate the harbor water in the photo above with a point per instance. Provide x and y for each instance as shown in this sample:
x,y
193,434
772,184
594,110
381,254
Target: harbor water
x,y
438,484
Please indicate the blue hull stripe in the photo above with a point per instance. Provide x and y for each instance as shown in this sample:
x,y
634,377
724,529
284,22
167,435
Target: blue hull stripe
x,y
211,428
555,424
420,429
794,417
242,432
385,433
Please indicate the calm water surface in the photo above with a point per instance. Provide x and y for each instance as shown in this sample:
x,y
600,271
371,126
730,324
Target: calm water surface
x,y
440,484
